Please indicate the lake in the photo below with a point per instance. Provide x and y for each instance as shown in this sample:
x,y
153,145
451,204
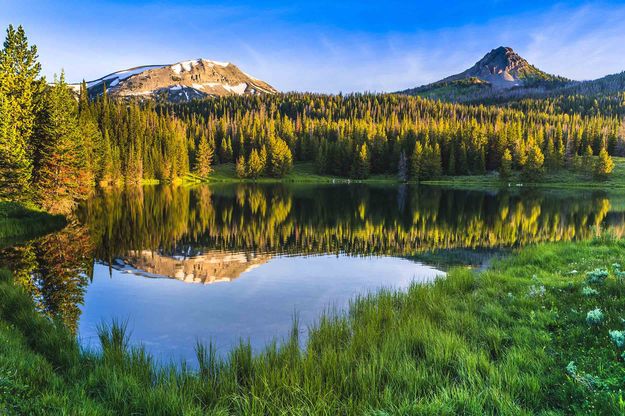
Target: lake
x,y
241,262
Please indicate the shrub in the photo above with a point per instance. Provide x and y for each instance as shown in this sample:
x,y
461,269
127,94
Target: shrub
x,y
589,291
618,337
594,317
596,276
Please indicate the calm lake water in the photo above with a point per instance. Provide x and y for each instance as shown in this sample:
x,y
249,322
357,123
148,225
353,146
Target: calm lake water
x,y
225,263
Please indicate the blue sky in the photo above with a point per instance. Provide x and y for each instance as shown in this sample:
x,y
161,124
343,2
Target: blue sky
x,y
323,46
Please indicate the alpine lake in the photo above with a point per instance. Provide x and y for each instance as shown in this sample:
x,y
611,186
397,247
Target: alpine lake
x,y
231,263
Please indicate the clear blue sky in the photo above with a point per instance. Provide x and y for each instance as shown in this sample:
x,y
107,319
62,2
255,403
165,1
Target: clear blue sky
x,y
325,46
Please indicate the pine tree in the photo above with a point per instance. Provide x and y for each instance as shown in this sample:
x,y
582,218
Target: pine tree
x,y
281,158
204,158
59,180
241,168
402,167
255,166
505,167
416,162
264,162
15,167
20,90
107,172
361,166
604,165
571,152
587,159
533,169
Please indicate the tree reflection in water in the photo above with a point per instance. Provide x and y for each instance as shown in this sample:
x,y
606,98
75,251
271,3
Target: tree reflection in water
x,y
215,226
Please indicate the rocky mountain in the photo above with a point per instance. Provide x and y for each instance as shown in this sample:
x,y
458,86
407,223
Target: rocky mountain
x,y
182,81
501,71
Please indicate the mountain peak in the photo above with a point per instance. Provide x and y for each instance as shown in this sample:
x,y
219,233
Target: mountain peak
x,y
181,81
502,68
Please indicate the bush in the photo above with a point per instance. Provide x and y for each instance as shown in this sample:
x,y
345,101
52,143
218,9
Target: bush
x,y
596,276
589,291
618,337
594,317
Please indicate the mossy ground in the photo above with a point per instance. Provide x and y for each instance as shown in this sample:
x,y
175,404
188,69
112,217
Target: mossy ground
x,y
495,342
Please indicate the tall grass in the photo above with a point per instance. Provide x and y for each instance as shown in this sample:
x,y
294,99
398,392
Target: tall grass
x,y
472,343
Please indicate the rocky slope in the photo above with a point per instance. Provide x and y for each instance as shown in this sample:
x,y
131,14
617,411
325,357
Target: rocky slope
x,y
182,81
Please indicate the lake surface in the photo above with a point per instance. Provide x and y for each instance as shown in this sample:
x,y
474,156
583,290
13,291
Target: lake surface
x,y
225,263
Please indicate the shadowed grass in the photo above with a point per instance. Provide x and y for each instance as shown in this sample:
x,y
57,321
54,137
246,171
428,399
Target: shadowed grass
x,y
18,223
471,343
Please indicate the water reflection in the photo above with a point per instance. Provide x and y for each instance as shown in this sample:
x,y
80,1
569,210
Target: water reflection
x,y
254,236
357,220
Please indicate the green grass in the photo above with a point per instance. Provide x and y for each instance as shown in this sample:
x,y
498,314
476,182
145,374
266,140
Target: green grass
x,y
471,343
561,178
18,222
302,172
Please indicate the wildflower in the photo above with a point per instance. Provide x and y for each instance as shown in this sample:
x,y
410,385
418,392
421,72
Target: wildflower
x,y
594,317
537,291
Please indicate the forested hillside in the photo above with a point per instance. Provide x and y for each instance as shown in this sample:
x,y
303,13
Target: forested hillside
x,y
55,145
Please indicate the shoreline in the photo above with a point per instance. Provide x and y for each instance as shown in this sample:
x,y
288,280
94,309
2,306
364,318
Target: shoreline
x,y
303,173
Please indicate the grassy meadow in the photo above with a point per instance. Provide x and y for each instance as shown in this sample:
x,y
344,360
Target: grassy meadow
x,y
530,335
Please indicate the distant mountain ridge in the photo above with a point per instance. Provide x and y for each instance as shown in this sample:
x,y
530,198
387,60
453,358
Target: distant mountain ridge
x,y
181,81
